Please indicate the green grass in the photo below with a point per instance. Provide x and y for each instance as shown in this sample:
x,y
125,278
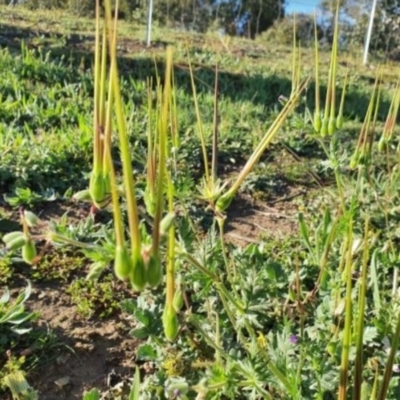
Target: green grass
x,y
280,334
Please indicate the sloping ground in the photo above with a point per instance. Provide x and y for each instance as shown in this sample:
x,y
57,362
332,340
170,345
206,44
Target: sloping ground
x,y
99,352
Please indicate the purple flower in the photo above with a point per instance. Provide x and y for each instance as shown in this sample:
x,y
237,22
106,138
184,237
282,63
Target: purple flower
x,y
293,339
282,99
177,394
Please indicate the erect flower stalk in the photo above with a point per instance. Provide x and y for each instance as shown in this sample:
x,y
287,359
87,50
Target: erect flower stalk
x,y
138,276
358,365
170,317
333,73
294,55
328,122
363,147
224,201
162,129
348,316
391,118
150,191
200,126
99,186
317,113
339,119
122,261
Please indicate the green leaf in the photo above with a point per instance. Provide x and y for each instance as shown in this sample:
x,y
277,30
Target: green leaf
x,y
5,298
370,334
31,218
135,389
94,394
304,231
146,352
375,282
140,333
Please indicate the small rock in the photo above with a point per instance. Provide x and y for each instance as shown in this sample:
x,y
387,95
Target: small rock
x,y
64,381
62,359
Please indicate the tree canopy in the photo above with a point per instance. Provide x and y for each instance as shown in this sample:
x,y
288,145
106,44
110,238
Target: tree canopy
x,y
235,17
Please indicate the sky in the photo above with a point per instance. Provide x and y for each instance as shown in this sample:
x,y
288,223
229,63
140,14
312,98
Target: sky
x,y
301,6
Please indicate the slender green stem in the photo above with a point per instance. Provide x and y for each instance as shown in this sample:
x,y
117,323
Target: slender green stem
x,y
272,131
163,126
198,265
171,244
118,222
360,325
336,172
221,223
96,117
124,145
317,90
216,280
199,124
55,237
334,63
348,318
214,161
389,364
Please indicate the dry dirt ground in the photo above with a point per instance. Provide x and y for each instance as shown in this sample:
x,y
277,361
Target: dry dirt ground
x,y
93,353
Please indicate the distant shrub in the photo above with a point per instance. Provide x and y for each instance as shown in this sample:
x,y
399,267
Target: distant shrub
x,y
281,31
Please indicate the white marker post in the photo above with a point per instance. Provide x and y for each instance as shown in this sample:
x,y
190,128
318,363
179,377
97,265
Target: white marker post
x,y
149,22
369,32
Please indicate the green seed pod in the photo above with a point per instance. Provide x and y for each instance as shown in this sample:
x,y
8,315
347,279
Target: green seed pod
x,y
83,195
31,219
170,322
107,183
29,252
331,349
166,223
138,273
17,243
339,121
332,126
317,122
96,270
355,160
324,127
98,190
122,263
381,144
178,300
223,202
9,237
154,273
150,202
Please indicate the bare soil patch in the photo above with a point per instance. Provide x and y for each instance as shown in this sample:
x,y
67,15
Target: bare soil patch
x,y
249,220
89,353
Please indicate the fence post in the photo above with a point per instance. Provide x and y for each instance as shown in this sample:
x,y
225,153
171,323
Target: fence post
x,y
149,22
369,32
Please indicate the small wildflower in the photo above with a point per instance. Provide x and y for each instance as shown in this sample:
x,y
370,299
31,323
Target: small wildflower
x,y
282,99
177,394
262,341
396,368
293,339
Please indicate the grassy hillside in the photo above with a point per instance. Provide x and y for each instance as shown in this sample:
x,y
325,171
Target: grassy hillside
x,y
299,234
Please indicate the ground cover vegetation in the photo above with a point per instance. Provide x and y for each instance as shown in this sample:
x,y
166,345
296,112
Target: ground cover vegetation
x,y
207,218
